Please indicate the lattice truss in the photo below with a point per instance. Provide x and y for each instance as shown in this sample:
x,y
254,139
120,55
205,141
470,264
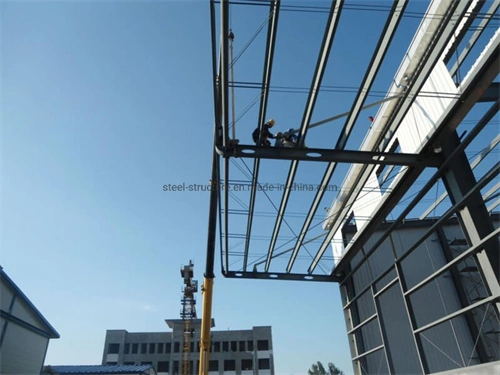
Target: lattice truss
x,y
375,91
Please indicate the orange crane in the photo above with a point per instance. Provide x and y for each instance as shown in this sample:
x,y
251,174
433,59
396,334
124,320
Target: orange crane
x,y
188,313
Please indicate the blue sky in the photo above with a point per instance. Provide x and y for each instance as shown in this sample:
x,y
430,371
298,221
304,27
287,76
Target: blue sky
x,y
105,102
102,104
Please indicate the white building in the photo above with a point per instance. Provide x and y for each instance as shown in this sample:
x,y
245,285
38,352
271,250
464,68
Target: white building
x,y
25,333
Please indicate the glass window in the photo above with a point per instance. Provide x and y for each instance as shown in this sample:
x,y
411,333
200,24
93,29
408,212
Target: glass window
x,y
144,348
264,364
159,348
217,347
250,346
229,365
111,363
162,366
175,369
242,346
129,363
152,348
213,365
262,345
247,364
168,347
135,348
225,346
126,349
234,346
177,347
146,363
113,348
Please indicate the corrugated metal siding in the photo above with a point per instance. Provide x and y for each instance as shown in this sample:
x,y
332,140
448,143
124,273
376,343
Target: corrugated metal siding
x,y
22,351
375,363
400,344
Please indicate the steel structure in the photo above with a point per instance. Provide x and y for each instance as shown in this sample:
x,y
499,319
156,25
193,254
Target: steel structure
x,y
440,110
188,313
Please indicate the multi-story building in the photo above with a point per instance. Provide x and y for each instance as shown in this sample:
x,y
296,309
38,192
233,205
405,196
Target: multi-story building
x,y
238,352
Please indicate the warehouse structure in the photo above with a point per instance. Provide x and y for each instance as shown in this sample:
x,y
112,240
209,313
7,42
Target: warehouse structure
x,y
238,352
411,232
25,333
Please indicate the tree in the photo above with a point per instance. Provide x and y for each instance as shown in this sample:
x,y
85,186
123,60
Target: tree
x,y
318,369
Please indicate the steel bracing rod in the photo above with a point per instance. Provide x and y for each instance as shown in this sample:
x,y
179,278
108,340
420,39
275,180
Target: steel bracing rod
x,y
327,155
364,354
374,66
362,324
464,26
420,73
450,119
331,27
469,252
266,80
485,120
475,36
495,298
224,71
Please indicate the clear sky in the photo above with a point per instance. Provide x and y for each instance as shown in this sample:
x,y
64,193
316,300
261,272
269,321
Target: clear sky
x,y
102,104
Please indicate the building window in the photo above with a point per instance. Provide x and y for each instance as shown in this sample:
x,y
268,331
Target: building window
x,y
234,346
242,346
129,363
229,365
191,347
144,348
217,346
113,348
111,363
159,348
225,346
247,364
213,365
168,347
264,364
146,363
250,346
135,348
152,348
197,345
126,349
175,368
262,345
177,346
162,366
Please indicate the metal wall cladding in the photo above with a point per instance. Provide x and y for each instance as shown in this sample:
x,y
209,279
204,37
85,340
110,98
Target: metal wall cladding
x,y
400,345
375,363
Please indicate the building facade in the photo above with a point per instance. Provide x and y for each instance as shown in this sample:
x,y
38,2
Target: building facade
x,y
238,352
25,333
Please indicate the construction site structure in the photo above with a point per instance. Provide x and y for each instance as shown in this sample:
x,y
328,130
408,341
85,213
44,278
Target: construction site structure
x,y
188,313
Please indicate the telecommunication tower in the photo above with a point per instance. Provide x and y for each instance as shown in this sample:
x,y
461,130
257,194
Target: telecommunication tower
x,y
188,313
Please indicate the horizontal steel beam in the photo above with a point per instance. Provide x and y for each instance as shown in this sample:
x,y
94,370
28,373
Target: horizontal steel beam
x,y
328,155
277,276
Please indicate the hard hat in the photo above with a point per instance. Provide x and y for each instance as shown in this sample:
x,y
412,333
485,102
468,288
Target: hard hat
x,y
289,131
271,122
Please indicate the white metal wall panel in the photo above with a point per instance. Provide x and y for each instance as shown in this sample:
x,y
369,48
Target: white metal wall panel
x,y
22,351
6,295
24,312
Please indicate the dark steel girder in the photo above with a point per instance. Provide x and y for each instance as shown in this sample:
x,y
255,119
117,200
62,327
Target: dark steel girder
x,y
266,80
331,27
483,74
390,27
421,71
278,276
338,156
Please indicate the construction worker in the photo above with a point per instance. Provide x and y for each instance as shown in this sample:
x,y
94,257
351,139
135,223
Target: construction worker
x,y
290,138
264,135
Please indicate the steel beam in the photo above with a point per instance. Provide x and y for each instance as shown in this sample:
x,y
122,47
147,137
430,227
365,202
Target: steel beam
x,y
266,80
390,27
480,78
331,27
475,36
427,159
278,276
